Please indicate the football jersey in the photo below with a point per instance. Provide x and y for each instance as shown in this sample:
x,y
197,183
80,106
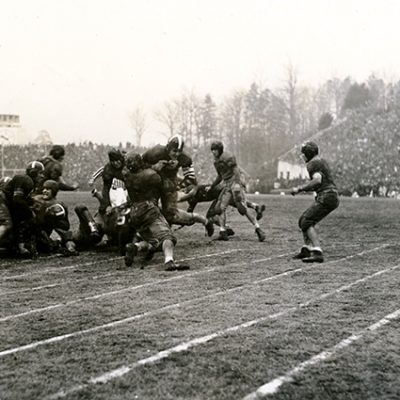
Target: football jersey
x,y
159,153
321,166
143,185
19,185
227,167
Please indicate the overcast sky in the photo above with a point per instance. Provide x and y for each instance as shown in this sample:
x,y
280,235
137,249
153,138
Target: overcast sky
x,y
76,68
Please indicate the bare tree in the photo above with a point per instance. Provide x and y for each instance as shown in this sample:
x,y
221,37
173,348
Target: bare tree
x,y
138,122
290,95
168,116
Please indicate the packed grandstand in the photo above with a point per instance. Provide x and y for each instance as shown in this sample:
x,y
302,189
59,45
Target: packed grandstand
x,y
361,146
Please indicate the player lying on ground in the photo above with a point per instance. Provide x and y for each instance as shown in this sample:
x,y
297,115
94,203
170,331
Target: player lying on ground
x,y
113,224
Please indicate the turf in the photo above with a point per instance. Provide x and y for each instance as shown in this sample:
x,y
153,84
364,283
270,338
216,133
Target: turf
x,y
246,311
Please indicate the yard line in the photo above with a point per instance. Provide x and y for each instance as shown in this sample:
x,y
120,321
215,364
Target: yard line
x,y
111,273
273,386
138,316
149,313
119,372
54,306
98,296
56,269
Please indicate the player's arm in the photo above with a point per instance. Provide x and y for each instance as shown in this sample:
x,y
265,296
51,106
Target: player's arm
x,y
96,175
65,187
310,186
187,196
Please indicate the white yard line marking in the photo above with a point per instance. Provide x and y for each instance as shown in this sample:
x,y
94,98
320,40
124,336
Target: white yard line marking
x,y
184,259
108,274
57,269
137,316
119,372
127,289
273,386
51,307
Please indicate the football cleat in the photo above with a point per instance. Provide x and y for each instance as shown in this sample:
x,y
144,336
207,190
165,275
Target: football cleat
x,y
209,228
304,252
260,234
315,256
130,254
171,266
223,235
230,231
23,252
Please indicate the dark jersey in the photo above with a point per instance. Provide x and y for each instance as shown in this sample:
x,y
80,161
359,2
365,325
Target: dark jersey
x,y
145,185
321,166
20,186
53,170
227,167
17,193
46,221
159,153
144,190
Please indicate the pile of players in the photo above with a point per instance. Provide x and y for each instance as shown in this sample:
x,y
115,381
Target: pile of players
x,y
138,204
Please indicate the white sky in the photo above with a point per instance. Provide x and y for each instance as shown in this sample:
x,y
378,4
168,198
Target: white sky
x,y
76,68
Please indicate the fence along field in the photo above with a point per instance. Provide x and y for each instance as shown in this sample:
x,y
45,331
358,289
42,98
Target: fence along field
x,y
245,322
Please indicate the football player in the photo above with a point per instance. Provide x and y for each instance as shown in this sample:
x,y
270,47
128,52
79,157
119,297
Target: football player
x,y
113,224
326,201
229,177
166,161
113,184
53,169
145,187
52,215
16,216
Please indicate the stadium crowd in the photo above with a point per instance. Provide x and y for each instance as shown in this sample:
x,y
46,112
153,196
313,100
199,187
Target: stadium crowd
x,y
363,151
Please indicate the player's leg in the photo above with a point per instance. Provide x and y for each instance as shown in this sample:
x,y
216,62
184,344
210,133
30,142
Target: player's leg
x,y
239,199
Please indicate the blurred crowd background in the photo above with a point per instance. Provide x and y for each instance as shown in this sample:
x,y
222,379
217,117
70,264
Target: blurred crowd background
x,y
357,127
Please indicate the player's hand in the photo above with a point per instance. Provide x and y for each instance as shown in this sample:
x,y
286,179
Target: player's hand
x,y
294,191
207,188
108,210
173,164
160,165
91,182
75,186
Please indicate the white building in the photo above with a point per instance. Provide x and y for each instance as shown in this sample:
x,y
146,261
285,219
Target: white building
x,y
290,170
10,130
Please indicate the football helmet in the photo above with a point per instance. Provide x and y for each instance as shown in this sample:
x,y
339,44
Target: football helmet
x,y
310,150
217,145
134,162
52,185
175,143
57,152
34,168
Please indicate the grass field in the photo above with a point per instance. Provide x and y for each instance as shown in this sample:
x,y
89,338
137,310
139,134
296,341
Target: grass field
x,y
245,322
